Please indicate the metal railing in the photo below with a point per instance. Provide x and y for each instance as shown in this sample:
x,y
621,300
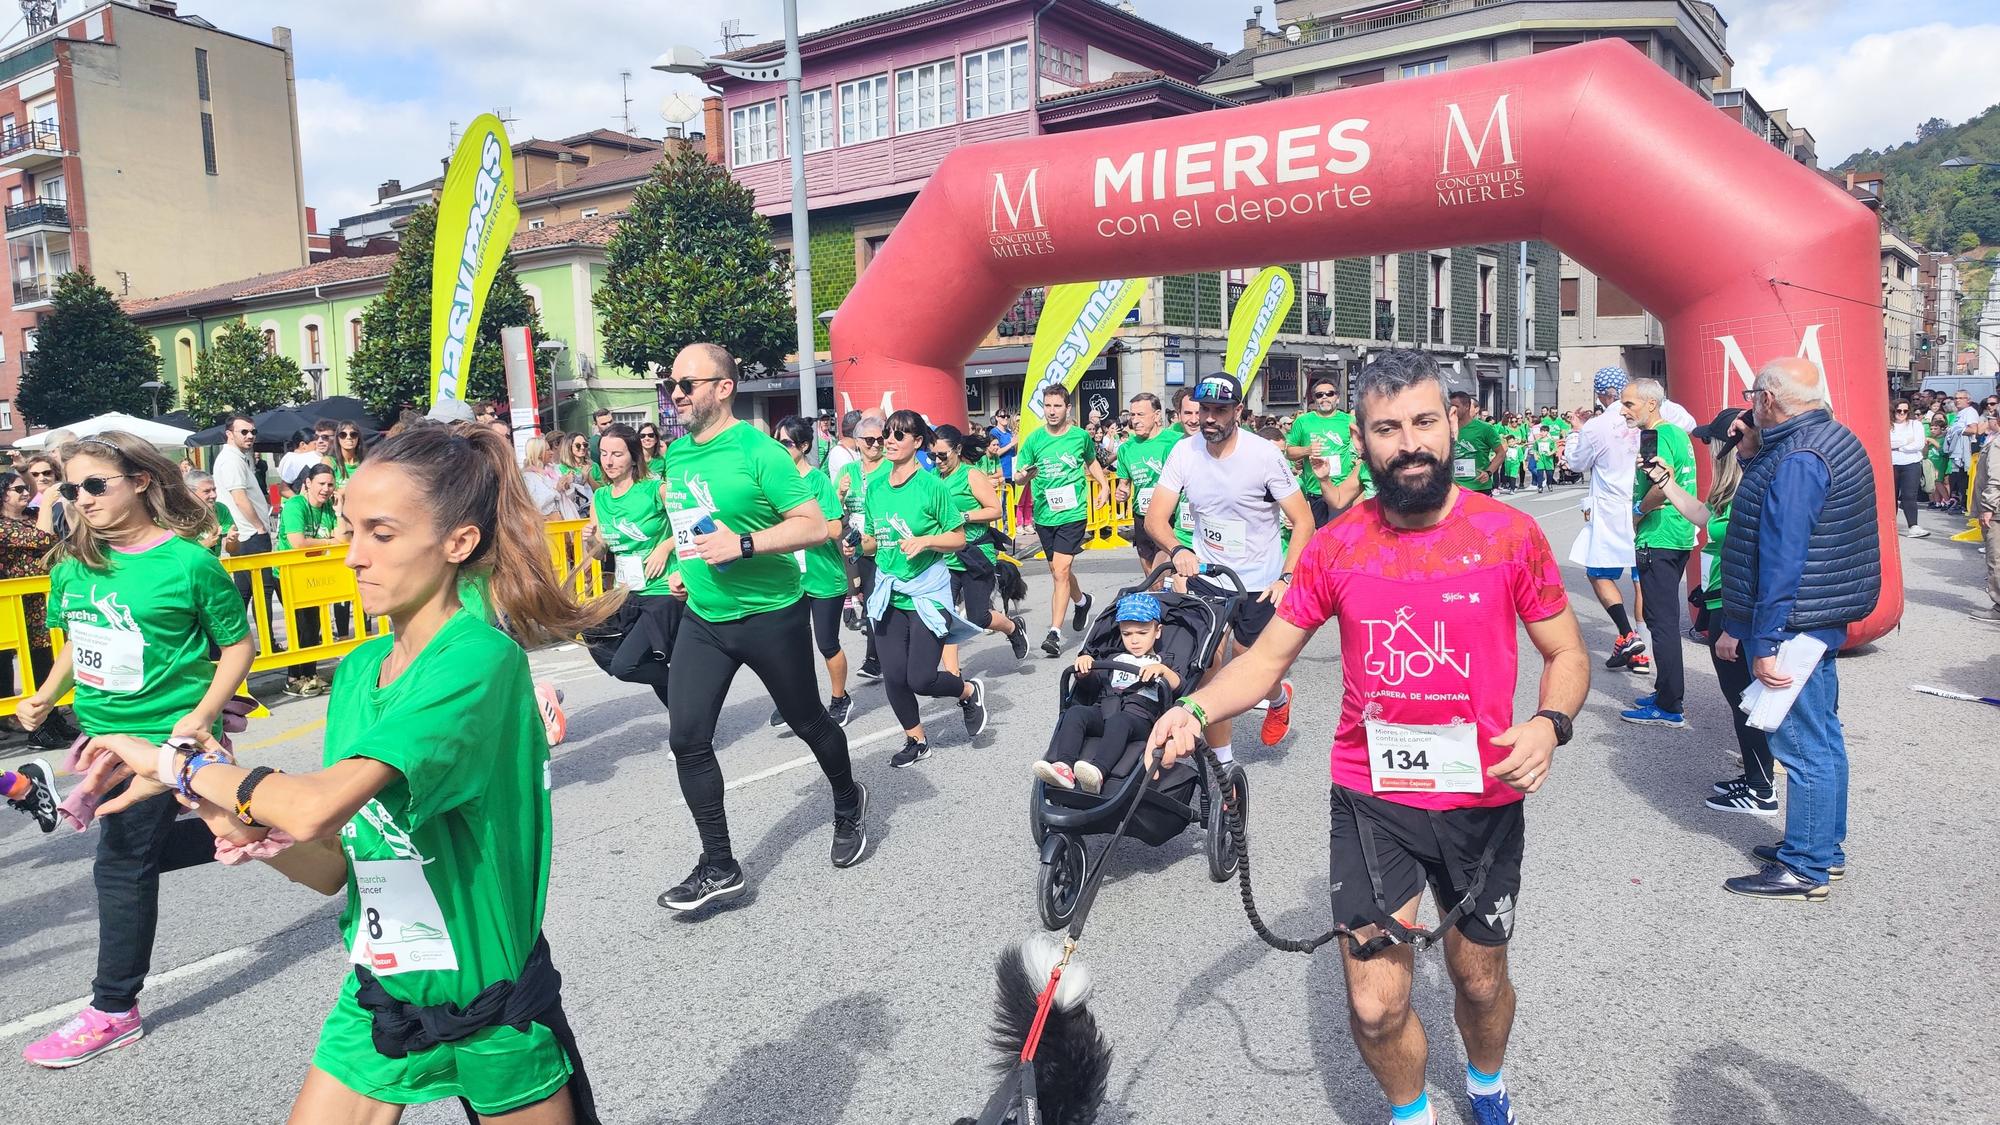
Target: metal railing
x,y
1438,325
35,134
38,289
1332,28
40,212
312,580
1486,330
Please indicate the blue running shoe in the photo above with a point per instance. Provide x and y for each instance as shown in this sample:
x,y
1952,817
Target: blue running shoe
x,y
1650,715
1492,1109
1645,700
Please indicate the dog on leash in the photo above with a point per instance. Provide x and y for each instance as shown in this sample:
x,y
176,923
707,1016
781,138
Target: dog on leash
x,y
1073,1060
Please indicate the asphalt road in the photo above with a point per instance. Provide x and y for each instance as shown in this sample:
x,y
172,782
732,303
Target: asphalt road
x,y
862,996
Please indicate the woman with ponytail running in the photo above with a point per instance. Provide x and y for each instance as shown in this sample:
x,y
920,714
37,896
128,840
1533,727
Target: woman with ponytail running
x,y
432,809
629,516
140,602
822,570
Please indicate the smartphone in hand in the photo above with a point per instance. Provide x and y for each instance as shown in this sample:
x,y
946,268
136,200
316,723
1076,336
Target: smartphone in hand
x,y
1649,446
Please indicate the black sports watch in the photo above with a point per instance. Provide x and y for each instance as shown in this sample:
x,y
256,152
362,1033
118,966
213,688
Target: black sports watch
x,y
1560,721
749,548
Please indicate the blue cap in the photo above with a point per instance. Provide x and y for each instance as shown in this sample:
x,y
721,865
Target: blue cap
x,y
1609,379
1139,607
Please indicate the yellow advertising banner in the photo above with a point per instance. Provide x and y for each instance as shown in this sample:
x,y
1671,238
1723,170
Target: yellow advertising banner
x,y
475,225
1259,314
1077,322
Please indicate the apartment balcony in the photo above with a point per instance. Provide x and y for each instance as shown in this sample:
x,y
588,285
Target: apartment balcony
x,y
1025,315
40,215
35,147
33,292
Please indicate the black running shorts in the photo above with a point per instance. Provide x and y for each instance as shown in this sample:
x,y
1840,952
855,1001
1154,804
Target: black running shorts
x,y
1251,615
1415,847
1061,539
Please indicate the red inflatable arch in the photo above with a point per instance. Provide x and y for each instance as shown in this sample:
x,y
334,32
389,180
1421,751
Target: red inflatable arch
x,y
1743,254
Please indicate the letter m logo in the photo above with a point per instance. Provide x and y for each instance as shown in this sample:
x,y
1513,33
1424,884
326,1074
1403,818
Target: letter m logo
x,y
1727,348
1027,204
1458,135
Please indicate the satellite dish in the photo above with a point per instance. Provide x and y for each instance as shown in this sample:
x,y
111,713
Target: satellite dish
x,y
679,108
1292,33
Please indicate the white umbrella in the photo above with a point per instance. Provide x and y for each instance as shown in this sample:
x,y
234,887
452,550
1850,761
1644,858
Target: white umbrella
x,y
154,433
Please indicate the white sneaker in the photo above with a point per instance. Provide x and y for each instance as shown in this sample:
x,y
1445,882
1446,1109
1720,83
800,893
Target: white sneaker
x,y
1917,533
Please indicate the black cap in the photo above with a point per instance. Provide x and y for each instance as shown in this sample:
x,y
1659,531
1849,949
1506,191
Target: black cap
x,y
1220,388
1718,429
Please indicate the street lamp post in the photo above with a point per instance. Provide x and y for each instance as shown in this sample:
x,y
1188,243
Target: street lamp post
x,y
554,350
688,60
154,385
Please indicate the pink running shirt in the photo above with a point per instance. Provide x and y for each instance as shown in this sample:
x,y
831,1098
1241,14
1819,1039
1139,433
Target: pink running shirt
x,y
1427,626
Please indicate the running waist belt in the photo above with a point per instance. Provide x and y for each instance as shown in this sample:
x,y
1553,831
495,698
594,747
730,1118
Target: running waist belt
x,y
400,1029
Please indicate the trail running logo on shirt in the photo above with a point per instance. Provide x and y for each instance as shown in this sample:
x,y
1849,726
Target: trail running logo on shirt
x,y
1398,652
398,841
629,531
116,617
698,488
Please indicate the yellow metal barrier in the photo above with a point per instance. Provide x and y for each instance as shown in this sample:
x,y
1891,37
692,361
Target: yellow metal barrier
x,y
1972,532
307,579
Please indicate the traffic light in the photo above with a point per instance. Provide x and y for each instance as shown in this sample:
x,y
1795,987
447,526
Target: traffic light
x,y
1923,342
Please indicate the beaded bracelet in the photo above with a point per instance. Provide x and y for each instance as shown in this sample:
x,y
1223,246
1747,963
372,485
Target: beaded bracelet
x,y
243,794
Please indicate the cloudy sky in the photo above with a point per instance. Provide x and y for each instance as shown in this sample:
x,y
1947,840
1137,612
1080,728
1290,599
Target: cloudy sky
x,y
380,81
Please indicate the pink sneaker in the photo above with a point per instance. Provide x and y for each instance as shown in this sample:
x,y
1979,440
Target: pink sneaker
x,y
87,1035
549,697
1056,773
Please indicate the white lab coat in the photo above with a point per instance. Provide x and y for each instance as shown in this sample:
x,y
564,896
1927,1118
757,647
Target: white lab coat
x,y
1607,448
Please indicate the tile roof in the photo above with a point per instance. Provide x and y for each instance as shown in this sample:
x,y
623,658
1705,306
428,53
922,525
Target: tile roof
x,y
611,137
340,271
601,173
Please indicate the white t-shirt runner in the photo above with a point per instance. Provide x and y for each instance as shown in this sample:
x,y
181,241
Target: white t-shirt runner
x,y
1234,501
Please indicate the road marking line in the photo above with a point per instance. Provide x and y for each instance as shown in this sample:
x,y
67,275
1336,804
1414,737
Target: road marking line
x,y
61,1011
283,736
807,759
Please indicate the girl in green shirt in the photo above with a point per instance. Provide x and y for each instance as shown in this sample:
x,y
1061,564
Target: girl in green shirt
x,y
347,453
973,567
822,568
141,603
431,813
308,519
629,516
651,451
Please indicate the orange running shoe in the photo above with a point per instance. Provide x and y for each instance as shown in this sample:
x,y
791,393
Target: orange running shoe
x,y
1278,719
549,697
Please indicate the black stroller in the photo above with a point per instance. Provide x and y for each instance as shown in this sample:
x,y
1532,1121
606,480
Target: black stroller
x,y
1192,628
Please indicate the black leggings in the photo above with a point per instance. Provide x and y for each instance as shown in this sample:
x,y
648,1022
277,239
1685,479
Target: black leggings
x,y
133,848
1114,732
826,625
706,657
910,657
1734,676
1909,488
864,572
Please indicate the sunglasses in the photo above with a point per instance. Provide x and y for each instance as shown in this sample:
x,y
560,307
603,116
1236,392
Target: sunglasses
x,y
41,472
1216,392
345,434
20,488
1324,394
903,435
245,433
1902,410
869,440
687,386
95,486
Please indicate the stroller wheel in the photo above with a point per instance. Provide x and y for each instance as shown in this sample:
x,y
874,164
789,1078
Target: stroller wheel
x,y
1221,845
1062,881
1036,827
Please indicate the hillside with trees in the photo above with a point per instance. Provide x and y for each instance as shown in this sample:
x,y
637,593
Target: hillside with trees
x,y
1940,208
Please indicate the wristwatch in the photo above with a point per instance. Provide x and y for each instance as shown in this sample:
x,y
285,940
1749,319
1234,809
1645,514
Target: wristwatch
x,y
1560,721
747,546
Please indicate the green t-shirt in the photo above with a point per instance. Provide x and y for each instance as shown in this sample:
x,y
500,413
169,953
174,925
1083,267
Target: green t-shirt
x,y
959,485
299,518
1472,451
1061,483
1711,552
825,569
632,525
1517,440
1140,462
921,505
139,633
990,466
457,848
341,471
1664,527
1334,433
657,465
1559,424
1545,452
224,520
746,482
855,473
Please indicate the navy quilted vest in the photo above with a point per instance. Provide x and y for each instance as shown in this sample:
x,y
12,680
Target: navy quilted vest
x,y
1843,573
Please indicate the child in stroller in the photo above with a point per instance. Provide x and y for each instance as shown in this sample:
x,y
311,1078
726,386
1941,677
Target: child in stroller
x,y
1115,698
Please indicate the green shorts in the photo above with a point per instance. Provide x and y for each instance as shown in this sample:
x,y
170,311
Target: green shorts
x,y
498,1070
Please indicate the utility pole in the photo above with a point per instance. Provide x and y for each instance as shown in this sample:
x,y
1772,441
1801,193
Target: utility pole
x,y
1521,306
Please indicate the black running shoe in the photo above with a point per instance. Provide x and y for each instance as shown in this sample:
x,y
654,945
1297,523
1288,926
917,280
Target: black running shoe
x,y
1756,802
973,707
850,839
841,709
705,884
1052,644
911,753
777,717
870,670
1777,883
55,733
1019,638
42,798
1768,853
1624,649
1079,614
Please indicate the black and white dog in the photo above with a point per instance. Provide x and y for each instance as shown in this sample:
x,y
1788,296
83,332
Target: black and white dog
x,y
1073,1060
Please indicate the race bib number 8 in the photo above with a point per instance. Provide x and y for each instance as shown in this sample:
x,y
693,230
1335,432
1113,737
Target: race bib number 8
x,y
401,929
1408,758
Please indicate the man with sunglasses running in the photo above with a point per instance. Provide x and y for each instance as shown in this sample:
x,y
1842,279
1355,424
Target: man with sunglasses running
x,y
1427,581
1322,445
739,508
1236,484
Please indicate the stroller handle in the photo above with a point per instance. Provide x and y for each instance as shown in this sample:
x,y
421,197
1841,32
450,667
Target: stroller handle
x,y
1207,570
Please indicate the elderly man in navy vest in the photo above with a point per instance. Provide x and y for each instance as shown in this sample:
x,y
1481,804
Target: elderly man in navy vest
x,y
1802,556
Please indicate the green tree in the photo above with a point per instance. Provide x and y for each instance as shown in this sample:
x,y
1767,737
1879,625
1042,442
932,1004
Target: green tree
x,y
692,261
392,367
1968,242
237,372
89,359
